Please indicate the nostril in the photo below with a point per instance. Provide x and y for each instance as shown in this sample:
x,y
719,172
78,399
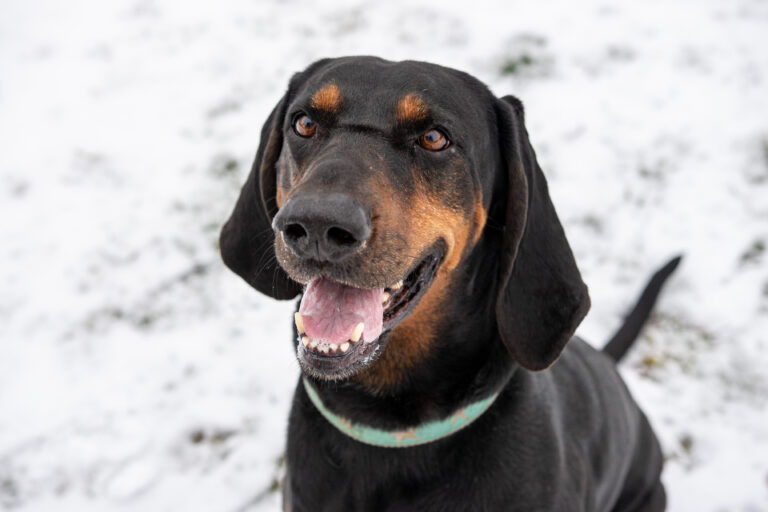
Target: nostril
x,y
341,237
294,231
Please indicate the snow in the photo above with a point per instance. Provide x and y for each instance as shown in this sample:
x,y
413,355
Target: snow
x,y
137,373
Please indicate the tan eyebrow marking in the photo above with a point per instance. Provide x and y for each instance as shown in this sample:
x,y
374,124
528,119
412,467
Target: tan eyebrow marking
x,y
327,98
411,108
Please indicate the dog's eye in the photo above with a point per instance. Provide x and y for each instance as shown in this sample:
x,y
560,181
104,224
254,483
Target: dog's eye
x,y
304,126
434,140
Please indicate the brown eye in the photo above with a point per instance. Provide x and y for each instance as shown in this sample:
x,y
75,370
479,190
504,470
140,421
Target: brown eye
x,y
304,126
434,140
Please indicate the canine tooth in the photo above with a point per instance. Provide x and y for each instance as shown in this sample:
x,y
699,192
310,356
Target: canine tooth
x,y
334,347
385,297
299,322
305,341
355,337
344,346
397,285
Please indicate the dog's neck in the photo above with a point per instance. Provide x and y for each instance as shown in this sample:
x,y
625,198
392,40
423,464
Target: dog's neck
x,y
426,396
423,433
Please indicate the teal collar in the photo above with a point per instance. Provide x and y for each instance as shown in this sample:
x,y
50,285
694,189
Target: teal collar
x,y
422,434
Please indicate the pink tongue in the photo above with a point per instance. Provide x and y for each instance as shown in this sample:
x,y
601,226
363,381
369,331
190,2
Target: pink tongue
x,y
332,310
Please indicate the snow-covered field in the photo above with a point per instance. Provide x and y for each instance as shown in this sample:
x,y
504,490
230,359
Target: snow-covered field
x,y
138,374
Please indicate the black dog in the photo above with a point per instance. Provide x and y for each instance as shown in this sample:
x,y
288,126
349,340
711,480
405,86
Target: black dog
x,y
404,201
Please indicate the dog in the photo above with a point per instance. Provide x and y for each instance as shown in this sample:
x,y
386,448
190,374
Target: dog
x,y
439,298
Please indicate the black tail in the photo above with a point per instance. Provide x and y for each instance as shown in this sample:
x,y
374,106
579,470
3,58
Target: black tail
x,y
621,341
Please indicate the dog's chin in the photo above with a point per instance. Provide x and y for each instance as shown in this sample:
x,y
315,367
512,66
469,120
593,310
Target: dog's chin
x,y
340,366
338,359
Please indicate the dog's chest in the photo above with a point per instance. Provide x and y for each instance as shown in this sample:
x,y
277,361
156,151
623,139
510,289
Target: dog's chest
x,y
328,471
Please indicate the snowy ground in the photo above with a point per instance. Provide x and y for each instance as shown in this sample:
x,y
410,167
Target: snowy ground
x,y
137,374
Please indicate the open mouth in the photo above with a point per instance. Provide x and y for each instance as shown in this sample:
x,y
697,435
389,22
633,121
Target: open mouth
x,y
340,327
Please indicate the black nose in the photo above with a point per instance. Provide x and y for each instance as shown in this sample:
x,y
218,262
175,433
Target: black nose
x,y
323,227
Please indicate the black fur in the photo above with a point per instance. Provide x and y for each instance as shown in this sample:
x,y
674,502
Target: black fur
x,y
622,340
570,438
541,298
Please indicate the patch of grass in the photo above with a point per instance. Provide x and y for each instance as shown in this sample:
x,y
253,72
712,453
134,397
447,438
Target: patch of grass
x,y
594,223
514,65
754,253
224,165
671,344
279,476
213,437
686,443
651,173
231,166
197,436
525,55
684,453
674,346
146,321
650,361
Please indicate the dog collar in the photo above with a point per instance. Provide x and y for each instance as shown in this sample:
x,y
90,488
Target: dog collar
x,y
422,434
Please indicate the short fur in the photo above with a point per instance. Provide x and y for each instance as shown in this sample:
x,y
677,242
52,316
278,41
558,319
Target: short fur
x,y
504,304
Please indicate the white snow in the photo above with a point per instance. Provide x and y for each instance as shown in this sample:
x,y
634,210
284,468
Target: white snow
x,y
137,373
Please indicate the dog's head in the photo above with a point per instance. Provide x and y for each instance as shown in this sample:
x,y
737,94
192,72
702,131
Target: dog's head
x,y
374,184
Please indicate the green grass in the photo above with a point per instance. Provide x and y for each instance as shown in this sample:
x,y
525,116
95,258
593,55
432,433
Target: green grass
x,y
515,65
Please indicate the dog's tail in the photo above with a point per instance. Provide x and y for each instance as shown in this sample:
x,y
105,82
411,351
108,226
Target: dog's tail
x,y
620,343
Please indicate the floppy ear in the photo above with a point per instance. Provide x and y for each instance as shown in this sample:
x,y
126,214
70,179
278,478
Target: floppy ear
x,y
247,241
541,297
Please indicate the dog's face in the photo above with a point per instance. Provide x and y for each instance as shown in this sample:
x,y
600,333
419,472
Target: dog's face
x,y
378,202
377,179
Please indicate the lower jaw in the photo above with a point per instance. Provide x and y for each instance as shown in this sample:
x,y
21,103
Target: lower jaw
x,y
341,365
338,367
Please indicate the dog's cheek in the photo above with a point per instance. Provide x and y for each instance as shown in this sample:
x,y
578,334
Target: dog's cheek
x,y
479,217
444,207
432,221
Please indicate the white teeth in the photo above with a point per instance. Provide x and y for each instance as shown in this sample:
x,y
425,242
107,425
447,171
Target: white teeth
x,y
325,348
299,322
355,337
385,297
397,285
